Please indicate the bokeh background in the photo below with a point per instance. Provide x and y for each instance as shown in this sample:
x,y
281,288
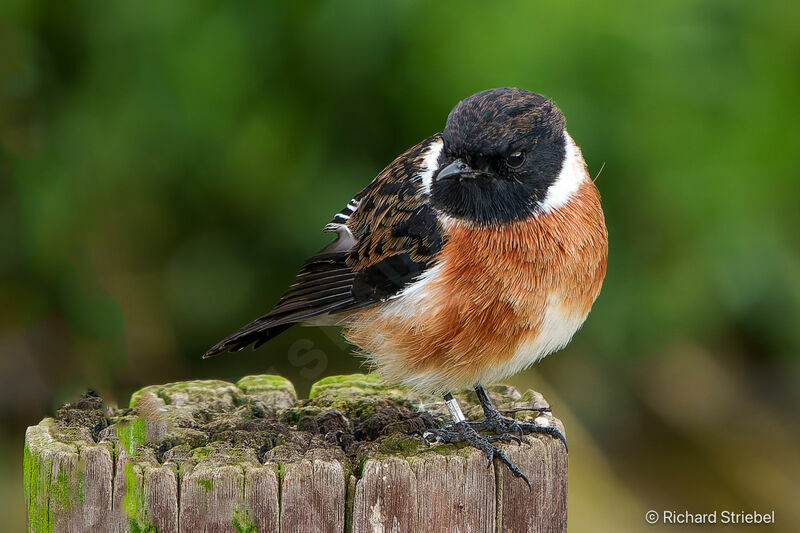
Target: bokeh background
x,y
166,167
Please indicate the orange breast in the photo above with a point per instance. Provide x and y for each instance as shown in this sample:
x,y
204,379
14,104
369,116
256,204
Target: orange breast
x,y
488,295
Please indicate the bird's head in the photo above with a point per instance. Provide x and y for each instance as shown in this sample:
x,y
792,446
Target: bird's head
x,y
503,152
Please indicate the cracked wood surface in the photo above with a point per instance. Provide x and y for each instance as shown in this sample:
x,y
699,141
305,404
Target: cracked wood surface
x,y
212,456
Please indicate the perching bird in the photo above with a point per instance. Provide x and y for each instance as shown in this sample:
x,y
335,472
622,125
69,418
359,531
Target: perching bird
x,y
470,257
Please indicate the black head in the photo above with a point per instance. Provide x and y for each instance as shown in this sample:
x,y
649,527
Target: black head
x,y
503,149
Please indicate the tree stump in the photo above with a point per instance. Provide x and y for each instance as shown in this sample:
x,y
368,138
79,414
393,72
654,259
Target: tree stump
x,y
250,457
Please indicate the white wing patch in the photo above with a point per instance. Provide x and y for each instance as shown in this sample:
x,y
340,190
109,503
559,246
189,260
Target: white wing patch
x,y
430,164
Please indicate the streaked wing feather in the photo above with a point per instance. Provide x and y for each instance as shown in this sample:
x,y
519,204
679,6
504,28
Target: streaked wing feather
x,y
318,286
386,237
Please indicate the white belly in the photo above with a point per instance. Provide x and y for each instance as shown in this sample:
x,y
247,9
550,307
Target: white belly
x,y
557,326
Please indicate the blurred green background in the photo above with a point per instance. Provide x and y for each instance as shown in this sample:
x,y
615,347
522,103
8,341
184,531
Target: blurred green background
x,y
166,167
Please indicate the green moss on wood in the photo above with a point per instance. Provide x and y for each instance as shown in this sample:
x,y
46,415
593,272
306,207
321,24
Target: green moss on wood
x,y
133,501
265,383
202,452
365,384
163,395
141,527
242,522
446,449
36,473
229,424
400,444
27,469
204,482
194,389
59,490
349,379
132,434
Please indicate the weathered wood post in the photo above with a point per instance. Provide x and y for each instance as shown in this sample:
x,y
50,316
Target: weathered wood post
x,y
213,456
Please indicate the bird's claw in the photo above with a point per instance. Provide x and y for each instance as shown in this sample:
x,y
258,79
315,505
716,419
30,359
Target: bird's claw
x,y
503,426
463,432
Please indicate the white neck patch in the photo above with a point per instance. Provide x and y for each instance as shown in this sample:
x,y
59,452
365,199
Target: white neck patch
x,y
430,164
573,174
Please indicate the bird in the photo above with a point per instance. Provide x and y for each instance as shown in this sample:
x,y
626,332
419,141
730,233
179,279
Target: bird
x,y
470,257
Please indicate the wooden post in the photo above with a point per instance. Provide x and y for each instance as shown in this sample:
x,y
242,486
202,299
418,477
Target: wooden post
x,y
250,457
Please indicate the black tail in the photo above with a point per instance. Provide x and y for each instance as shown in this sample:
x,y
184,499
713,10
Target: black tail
x,y
324,285
258,332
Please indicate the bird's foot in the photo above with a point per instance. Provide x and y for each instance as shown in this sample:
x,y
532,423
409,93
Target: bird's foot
x,y
463,432
505,426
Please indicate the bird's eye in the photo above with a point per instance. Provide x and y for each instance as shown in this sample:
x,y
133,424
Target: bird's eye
x,y
515,160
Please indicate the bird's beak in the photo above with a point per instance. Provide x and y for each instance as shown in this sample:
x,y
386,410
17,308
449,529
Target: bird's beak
x,y
456,169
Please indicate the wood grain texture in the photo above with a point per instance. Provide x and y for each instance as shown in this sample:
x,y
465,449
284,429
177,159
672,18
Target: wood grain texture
x,y
160,485
97,462
386,498
313,497
211,456
261,491
543,508
459,492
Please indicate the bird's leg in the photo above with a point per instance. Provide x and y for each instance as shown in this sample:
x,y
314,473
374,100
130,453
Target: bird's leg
x,y
459,430
503,425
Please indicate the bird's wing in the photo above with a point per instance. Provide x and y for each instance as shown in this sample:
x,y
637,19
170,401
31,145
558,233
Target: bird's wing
x,y
386,237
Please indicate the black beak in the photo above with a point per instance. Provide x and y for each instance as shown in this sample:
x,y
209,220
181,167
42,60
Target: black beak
x,y
456,169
